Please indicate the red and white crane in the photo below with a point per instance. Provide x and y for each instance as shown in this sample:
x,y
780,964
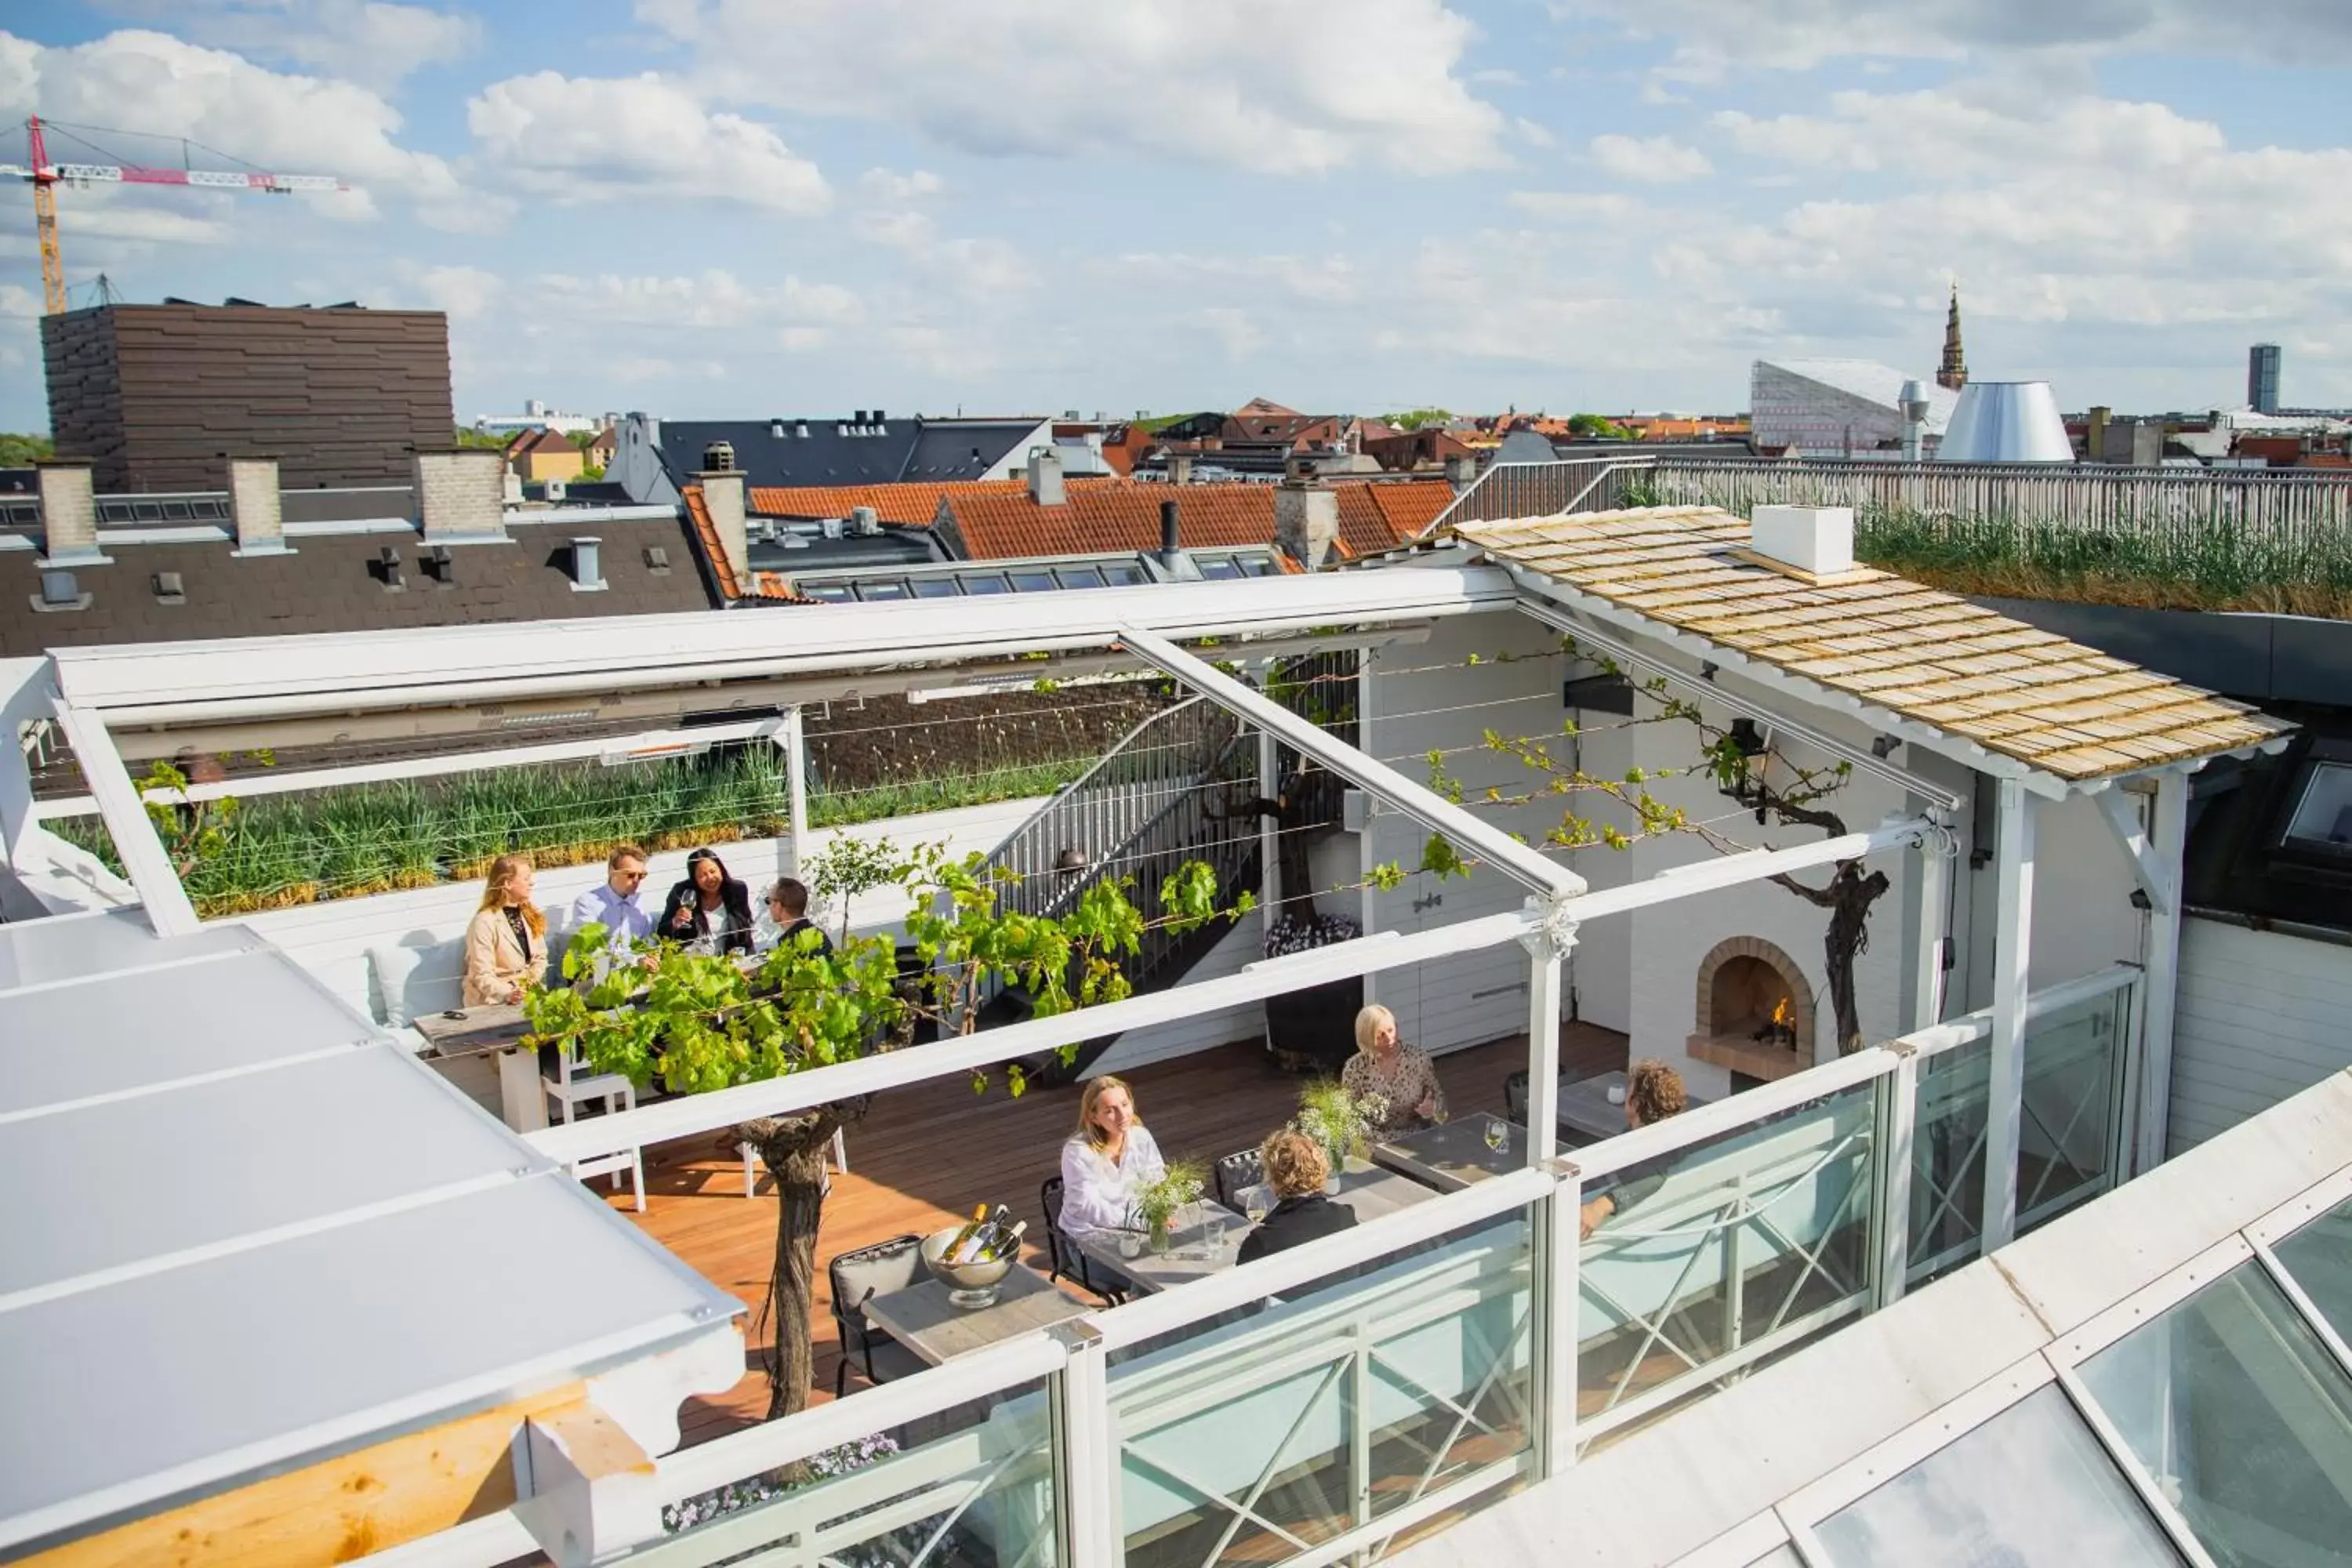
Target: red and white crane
x,y
46,177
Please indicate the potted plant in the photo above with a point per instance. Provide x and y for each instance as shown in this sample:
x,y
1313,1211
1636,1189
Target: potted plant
x,y
1340,1122
1159,1202
1313,1030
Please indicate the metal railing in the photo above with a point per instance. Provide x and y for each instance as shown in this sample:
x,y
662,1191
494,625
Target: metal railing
x,y
1310,1407
1510,490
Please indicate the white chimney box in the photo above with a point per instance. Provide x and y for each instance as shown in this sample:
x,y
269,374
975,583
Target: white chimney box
x,y
1815,539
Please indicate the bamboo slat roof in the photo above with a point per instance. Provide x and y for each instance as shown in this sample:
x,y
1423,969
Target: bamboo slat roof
x,y
1925,656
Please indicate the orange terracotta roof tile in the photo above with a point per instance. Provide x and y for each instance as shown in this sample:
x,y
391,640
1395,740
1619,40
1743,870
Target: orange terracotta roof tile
x,y
767,585
1114,517
909,505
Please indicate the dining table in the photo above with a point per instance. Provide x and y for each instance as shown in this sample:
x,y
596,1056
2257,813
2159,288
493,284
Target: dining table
x,y
1593,1108
497,1026
1451,1155
923,1319
1370,1191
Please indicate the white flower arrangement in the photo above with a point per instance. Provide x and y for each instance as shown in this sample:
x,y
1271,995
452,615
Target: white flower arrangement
x,y
1290,934
1337,1120
753,1491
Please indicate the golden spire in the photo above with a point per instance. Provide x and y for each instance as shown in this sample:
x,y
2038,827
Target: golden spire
x,y
1954,372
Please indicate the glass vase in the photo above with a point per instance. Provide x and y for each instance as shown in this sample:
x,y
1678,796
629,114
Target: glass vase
x,y
1162,1235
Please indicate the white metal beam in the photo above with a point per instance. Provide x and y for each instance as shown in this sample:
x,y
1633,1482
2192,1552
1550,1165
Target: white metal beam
x,y
2013,952
2169,842
1472,833
145,859
2155,880
1549,945
793,738
1936,851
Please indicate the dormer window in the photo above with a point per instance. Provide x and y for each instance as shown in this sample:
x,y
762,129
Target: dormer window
x,y
2321,821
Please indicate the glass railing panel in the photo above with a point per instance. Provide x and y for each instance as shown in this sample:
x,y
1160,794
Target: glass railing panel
x,y
2031,1488
2067,1138
967,1488
1948,1143
1289,1423
1706,1259
2319,1257
2233,1405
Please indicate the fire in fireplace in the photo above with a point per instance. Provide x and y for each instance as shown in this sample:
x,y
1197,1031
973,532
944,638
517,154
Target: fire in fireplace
x,y
1779,1029
1754,1010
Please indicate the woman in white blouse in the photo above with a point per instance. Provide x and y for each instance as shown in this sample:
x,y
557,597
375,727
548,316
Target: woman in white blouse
x,y
1108,1161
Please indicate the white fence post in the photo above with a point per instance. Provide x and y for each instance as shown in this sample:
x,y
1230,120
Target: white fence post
x,y
2012,949
1559,1239
1087,1445
1898,1103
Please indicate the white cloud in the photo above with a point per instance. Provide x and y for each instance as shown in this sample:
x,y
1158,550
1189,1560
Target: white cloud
x,y
586,138
151,86
1234,330
1534,135
375,43
889,186
1655,160
1281,89
1330,279
465,294
714,299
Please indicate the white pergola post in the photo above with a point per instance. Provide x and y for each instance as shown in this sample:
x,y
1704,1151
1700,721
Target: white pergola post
x,y
2012,948
793,739
1548,946
2168,836
1928,962
1270,890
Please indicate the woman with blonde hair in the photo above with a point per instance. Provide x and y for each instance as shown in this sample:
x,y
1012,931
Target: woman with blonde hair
x,y
1108,1161
1402,1076
506,944
1296,1168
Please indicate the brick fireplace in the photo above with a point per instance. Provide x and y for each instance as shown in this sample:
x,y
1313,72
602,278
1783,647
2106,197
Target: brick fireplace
x,y
1755,1011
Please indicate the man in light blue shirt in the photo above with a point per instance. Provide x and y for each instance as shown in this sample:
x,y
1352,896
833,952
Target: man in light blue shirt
x,y
614,906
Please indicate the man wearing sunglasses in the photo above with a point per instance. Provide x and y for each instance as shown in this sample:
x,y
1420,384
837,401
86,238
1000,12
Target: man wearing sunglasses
x,y
614,905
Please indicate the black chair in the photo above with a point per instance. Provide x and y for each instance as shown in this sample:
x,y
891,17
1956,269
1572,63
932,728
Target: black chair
x,y
858,1278
1514,1096
1068,1262
1244,1168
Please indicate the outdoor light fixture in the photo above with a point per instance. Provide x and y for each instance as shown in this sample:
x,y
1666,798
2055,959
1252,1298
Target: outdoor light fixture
x,y
1749,739
1883,746
1069,862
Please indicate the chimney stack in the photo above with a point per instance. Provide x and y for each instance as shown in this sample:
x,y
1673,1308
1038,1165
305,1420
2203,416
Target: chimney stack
x,y
1171,534
1461,471
1306,519
587,565
254,508
1045,477
461,494
1180,468
722,498
69,513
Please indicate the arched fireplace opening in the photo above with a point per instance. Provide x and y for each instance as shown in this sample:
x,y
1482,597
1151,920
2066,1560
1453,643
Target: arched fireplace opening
x,y
1754,1011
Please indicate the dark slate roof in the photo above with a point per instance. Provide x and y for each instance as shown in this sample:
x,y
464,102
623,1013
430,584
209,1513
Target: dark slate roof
x,y
332,583
809,551
2240,863
834,451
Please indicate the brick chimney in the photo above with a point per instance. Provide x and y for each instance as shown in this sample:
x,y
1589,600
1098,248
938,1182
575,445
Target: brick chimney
x,y
722,498
1306,519
69,513
1180,468
1046,479
253,506
1461,471
461,494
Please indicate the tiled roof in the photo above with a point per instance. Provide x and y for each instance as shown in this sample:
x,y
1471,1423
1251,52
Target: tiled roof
x,y
1112,517
1882,640
772,586
910,505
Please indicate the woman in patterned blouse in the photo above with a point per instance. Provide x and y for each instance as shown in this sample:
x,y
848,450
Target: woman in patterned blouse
x,y
1401,1075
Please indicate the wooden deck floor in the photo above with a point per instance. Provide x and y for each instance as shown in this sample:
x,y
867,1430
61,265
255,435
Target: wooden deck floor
x,y
927,1155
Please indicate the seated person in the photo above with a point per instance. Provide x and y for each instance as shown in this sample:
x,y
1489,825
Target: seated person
x,y
1108,1161
709,906
1296,1168
613,903
1654,1091
786,917
506,942
1401,1075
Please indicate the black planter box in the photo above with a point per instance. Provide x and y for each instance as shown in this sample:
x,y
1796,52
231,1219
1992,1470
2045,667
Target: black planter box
x,y
1314,1030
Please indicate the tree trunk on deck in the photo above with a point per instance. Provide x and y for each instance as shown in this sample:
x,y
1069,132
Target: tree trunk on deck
x,y
793,1149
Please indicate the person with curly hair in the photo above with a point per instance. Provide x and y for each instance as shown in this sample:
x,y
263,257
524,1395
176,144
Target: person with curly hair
x,y
1654,1091
1296,1168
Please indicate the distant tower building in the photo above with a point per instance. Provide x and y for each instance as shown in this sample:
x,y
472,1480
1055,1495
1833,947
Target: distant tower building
x,y
1953,373
2262,378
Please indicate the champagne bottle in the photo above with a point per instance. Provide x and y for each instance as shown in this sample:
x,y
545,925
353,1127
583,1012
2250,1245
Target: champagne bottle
x,y
953,1251
1008,1242
977,1248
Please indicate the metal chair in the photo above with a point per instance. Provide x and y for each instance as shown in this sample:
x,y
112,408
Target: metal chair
x,y
1514,1096
569,1084
1067,1262
1244,1168
858,1278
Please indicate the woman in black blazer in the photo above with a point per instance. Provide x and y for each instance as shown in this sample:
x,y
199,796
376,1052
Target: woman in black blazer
x,y
708,904
1296,1168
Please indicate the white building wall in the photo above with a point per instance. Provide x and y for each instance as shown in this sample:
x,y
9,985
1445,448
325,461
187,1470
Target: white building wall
x,y
2259,1016
1425,696
2083,916
1600,969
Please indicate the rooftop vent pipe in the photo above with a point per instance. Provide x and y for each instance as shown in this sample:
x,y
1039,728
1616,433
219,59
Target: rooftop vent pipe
x,y
865,521
1170,546
2005,422
587,570
719,458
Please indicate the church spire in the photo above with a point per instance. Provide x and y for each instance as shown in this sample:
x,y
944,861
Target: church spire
x,y
1954,372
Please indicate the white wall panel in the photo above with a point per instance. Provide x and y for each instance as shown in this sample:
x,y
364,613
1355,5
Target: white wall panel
x,y
2260,1017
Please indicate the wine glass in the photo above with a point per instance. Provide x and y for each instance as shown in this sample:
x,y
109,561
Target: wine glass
x,y
1257,1202
1498,1134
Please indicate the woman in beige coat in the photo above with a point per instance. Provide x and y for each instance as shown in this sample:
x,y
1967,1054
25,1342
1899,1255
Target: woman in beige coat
x,y
506,945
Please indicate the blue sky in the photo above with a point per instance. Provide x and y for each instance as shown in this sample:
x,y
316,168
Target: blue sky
x,y
765,206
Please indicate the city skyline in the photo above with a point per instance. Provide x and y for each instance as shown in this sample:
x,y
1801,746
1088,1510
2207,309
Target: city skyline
x,y
711,209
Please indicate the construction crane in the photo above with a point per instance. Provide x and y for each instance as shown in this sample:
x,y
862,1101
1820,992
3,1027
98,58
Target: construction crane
x,y
46,177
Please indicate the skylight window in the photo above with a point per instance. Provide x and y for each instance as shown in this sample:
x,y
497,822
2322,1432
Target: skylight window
x,y
1080,578
2323,812
935,588
1032,582
887,589
989,583
1220,569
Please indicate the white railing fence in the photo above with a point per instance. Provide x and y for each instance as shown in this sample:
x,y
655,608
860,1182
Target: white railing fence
x,y
1316,1405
